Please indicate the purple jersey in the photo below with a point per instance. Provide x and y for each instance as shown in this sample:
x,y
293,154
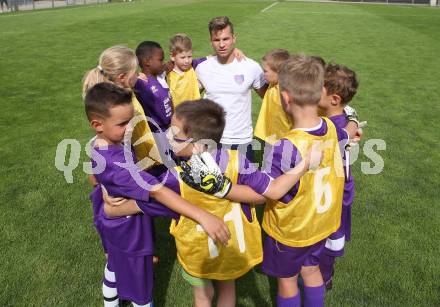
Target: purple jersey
x,y
155,98
283,156
133,234
341,122
247,175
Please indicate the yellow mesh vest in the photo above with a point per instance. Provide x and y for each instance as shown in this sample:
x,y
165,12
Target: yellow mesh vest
x,y
142,139
315,212
197,253
183,86
272,121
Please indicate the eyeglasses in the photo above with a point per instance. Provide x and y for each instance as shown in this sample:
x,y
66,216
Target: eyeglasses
x,y
179,140
172,137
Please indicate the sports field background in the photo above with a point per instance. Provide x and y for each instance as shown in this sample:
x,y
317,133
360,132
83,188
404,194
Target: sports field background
x,y
50,254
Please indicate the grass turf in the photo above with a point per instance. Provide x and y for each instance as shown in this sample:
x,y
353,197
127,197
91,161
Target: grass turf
x,y
50,252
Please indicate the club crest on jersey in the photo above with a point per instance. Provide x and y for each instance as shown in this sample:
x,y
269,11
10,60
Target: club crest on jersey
x,y
239,79
154,89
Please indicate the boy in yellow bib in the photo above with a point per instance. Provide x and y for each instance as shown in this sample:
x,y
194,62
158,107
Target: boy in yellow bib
x,y
272,121
299,223
182,80
201,259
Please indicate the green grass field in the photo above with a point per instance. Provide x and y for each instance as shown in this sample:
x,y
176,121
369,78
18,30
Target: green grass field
x,y
50,254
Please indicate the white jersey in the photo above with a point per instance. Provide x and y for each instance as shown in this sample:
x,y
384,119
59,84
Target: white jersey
x,y
230,86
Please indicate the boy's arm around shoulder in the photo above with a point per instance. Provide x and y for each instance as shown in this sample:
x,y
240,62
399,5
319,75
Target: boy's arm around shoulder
x,y
129,208
262,90
196,62
213,226
279,186
284,183
118,206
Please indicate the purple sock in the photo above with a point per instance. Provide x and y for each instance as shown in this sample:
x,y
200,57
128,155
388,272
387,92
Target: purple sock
x,y
294,301
314,296
326,264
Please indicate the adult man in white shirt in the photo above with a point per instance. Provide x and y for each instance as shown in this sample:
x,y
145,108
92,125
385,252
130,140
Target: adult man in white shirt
x,y
228,82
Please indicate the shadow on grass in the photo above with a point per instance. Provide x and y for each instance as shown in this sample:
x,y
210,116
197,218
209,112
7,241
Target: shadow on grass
x,y
165,248
250,290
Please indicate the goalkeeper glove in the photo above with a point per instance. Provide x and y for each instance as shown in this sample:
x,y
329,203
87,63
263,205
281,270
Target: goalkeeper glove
x,y
351,114
204,175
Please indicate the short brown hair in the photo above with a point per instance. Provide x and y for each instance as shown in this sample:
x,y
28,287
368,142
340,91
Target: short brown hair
x,y
342,81
318,59
303,78
275,58
203,119
102,97
179,43
220,23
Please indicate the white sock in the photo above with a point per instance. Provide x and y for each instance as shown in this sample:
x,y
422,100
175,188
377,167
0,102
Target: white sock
x,y
110,294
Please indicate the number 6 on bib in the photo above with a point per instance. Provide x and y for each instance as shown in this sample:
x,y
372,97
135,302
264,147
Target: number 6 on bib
x,y
322,190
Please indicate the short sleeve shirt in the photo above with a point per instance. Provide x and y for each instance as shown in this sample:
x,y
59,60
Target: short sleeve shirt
x,y
230,85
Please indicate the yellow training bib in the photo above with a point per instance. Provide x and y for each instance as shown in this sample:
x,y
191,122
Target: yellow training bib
x,y
198,254
183,86
272,121
315,212
142,139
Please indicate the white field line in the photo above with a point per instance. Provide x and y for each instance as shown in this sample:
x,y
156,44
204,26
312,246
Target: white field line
x,y
269,7
358,14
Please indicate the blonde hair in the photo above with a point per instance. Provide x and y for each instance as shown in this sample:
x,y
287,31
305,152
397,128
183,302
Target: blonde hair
x,y
303,78
276,58
113,61
179,43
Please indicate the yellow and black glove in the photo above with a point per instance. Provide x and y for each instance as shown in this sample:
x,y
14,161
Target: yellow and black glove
x,y
203,174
